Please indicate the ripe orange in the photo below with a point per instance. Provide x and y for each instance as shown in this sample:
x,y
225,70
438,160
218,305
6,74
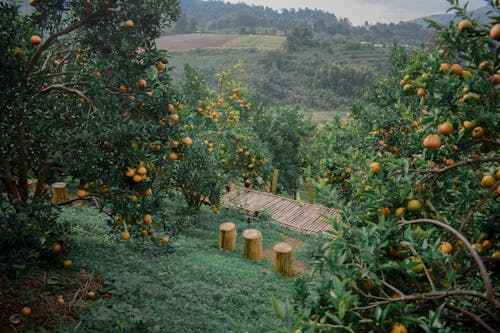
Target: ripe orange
x,y
137,178
56,247
82,194
495,79
91,294
486,244
445,247
170,108
187,141
125,235
445,128
485,65
165,240
496,254
432,141
130,172
68,263
444,68
495,32
467,74
60,300
375,167
488,181
421,92
464,25
174,117
35,40
414,205
173,156
148,192
179,107
147,219
399,328
456,69
26,311
142,171
129,23
123,88
477,132
142,84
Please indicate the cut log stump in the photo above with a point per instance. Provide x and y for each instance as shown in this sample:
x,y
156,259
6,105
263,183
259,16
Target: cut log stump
x,y
227,236
59,193
283,258
252,244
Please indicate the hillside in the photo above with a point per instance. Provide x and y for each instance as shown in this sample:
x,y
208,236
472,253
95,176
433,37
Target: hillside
x,y
481,13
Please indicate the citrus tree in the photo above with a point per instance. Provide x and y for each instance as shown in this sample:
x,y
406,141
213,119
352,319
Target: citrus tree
x,y
85,95
416,175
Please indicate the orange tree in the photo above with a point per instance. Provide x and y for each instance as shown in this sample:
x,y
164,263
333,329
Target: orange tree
x,y
84,94
417,246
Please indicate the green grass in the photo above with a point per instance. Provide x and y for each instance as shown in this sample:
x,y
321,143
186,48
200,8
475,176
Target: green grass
x,y
261,42
188,286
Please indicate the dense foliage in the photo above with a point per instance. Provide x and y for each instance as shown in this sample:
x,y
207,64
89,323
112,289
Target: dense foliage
x,y
415,171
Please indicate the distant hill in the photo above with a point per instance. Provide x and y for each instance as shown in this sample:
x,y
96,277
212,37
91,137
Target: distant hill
x,y
443,19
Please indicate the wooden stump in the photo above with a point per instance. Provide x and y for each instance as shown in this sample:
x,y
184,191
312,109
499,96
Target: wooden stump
x,y
227,236
59,193
252,244
283,258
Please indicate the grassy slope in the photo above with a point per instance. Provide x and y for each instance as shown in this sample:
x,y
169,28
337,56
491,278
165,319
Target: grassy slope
x,y
292,84
197,288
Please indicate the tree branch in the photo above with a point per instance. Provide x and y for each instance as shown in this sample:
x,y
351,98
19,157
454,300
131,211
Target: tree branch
x,y
471,316
65,88
52,39
486,196
484,274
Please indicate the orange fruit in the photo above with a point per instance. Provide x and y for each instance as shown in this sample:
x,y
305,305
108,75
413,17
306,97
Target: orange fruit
x,y
137,178
477,132
456,69
170,108
129,23
187,141
142,83
384,211
495,79
445,247
147,219
68,263
160,66
35,40
142,171
174,117
421,92
165,240
464,25
26,311
399,211
375,167
148,192
91,294
60,300
173,156
432,141
414,205
444,68
125,235
445,128
468,124
488,181
495,32
485,65
418,268
56,247
82,194
399,328
407,87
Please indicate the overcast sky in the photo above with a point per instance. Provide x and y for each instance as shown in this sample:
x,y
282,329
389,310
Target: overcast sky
x,y
359,11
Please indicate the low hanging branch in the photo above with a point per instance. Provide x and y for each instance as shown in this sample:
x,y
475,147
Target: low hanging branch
x,y
438,172
65,88
488,295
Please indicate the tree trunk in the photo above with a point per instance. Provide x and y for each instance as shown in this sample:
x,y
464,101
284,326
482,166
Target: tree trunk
x,y
227,236
252,244
283,258
59,193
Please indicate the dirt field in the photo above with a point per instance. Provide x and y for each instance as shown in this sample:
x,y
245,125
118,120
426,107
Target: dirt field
x,y
187,42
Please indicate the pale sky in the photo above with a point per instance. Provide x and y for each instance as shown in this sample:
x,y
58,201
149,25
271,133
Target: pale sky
x,y
359,11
